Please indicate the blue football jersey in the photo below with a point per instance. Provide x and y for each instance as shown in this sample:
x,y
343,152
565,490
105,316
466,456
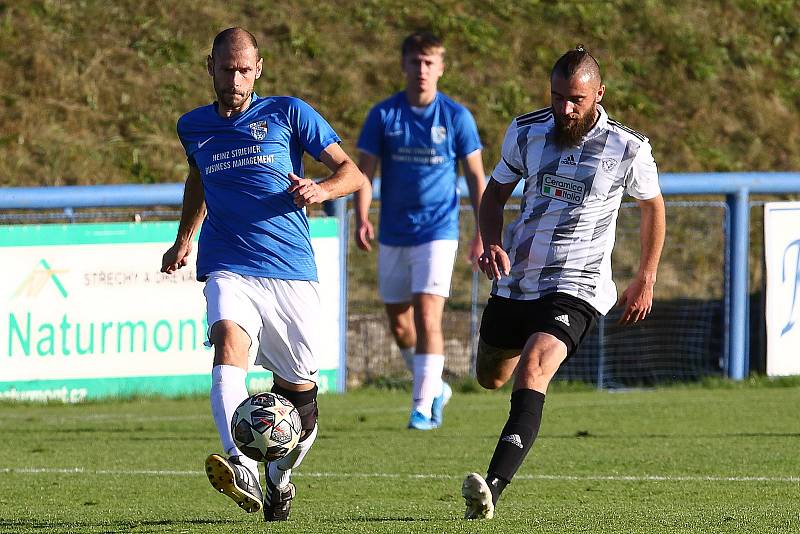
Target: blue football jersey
x,y
252,226
419,155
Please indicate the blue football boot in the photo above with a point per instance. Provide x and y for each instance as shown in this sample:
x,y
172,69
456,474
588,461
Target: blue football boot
x,y
417,421
437,409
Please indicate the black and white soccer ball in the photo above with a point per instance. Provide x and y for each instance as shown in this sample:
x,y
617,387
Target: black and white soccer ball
x,y
266,427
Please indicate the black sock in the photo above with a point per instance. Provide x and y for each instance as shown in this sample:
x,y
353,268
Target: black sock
x,y
516,439
496,486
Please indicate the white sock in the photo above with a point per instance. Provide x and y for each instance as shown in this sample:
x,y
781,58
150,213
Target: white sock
x,y
427,381
228,390
280,471
408,357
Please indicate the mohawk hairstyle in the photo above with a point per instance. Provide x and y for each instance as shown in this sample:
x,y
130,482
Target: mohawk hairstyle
x,y
576,61
421,42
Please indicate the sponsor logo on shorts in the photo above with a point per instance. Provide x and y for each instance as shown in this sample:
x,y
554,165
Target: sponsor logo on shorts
x,y
570,191
563,319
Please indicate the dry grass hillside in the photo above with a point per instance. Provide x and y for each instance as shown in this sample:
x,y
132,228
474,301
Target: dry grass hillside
x,y
91,89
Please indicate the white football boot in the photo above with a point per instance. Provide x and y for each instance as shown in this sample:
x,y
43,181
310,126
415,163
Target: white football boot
x,y
478,497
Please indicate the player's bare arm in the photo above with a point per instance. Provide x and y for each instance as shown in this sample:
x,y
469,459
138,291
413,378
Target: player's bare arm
x,y
345,179
475,176
638,297
364,232
494,261
193,212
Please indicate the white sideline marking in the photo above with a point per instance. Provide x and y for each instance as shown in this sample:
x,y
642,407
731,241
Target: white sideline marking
x,y
138,418
128,418
611,478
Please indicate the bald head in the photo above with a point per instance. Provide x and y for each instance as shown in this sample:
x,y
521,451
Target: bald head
x,y
577,63
234,66
233,39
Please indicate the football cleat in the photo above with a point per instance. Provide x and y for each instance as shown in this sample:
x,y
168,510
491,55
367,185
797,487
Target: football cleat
x,y
437,410
230,477
278,503
417,421
478,497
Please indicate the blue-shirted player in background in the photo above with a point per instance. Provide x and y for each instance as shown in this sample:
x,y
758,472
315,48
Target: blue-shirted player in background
x,y
246,187
418,136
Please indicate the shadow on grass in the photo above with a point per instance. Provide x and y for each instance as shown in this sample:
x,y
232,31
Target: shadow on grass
x,y
104,526
585,434
16,525
405,519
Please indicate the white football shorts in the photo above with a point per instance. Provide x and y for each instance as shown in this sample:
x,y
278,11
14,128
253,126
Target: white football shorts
x,y
425,268
279,314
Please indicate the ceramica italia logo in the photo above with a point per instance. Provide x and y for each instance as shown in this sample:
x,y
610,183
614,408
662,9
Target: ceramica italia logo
x,y
38,278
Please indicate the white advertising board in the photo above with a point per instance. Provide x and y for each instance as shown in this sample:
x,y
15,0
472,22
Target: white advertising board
x,y
782,252
85,313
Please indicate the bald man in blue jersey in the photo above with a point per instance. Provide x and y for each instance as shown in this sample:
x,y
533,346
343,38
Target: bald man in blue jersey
x,y
246,188
418,136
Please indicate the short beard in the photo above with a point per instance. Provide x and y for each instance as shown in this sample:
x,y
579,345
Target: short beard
x,y
227,99
570,134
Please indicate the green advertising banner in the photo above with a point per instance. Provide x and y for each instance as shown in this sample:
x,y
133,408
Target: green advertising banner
x,y
85,313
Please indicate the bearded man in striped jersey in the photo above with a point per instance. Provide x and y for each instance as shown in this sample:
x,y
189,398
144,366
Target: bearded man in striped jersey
x,y
552,270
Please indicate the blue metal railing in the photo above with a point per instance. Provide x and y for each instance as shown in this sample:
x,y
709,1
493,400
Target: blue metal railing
x,y
736,187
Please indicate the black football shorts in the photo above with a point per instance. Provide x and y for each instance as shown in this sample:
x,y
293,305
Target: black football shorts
x,y
508,323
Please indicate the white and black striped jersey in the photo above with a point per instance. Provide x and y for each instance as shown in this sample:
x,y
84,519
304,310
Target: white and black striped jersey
x,y
564,234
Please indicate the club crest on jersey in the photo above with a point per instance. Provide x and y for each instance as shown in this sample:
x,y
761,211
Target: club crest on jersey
x,y
559,188
608,164
438,134
259,130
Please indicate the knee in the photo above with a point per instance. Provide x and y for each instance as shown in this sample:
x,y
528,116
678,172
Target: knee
x,y
490,382
488,379
428,321
428,312
532,368
306,404
400,330
231,343
494,366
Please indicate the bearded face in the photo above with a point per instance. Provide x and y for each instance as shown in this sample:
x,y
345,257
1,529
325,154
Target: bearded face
x,y
570,128
234,71
574,103
231,97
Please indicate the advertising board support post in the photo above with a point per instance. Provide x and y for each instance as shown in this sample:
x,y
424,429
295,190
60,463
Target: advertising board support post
x,y
338,208
738,349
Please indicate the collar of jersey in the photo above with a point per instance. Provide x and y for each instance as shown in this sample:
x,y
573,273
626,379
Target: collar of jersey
x,y
599,126
253,99
428,109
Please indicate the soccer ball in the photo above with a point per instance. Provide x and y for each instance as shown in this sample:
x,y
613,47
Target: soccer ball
x,y
266,427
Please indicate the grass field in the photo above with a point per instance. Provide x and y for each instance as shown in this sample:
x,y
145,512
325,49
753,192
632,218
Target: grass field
x,y
663,461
